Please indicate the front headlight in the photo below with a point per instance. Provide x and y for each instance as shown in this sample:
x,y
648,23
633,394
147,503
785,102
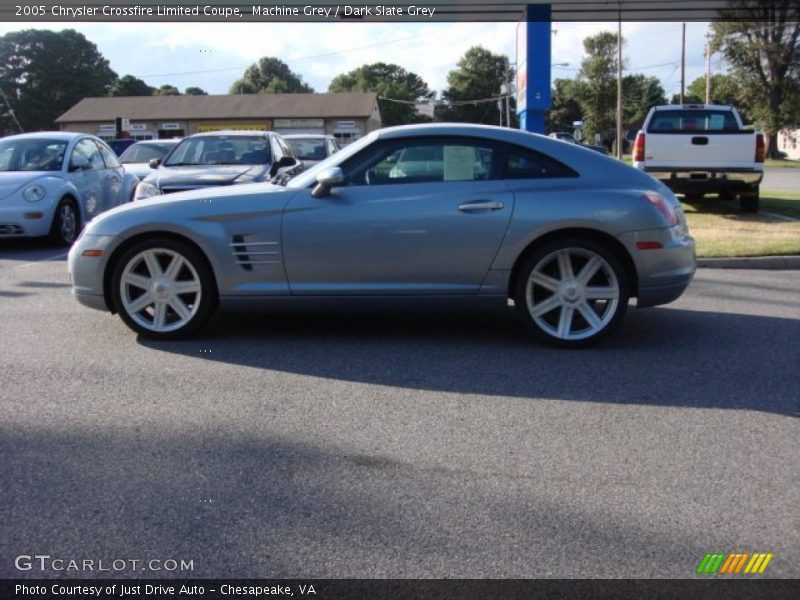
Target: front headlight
x,y
145,190
34,193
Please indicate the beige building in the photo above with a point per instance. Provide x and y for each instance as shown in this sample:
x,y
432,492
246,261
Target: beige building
x,y
789,143
347,116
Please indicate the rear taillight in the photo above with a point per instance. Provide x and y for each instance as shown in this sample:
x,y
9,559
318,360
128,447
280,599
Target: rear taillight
x,y
666,209
638,147
761,148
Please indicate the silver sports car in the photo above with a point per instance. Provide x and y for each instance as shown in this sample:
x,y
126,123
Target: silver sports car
x,y
418,212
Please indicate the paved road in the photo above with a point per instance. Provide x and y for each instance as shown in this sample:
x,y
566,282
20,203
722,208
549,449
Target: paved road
x,y
781,179
402,446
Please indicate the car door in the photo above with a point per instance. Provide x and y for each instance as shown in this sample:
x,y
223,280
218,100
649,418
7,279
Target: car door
x,y
113,178
86,170
387,232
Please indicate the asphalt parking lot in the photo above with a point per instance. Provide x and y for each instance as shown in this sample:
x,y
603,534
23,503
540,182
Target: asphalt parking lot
x,y
402,445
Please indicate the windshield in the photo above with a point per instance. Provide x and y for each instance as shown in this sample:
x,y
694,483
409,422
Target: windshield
x,y
308,148
31,154
309,176
145,152
220,150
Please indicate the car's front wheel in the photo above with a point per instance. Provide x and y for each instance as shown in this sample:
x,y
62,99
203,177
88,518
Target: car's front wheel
x,y
572,292
66,223
163,288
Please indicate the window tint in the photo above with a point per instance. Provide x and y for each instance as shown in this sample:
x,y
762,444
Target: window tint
x,y
523,163
87,149
220,150
692,120
111,160
426,162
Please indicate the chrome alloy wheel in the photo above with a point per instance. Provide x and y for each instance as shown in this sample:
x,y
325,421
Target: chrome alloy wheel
x,y
572,294
68,222
160,290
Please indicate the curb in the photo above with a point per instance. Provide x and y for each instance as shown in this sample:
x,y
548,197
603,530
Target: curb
x,y
775,263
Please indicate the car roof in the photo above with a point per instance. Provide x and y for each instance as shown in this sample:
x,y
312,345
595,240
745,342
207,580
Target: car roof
x,y
51,135
494,132
305,136
232,132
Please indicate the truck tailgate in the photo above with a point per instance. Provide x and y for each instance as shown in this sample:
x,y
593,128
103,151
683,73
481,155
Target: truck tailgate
x,y
701,150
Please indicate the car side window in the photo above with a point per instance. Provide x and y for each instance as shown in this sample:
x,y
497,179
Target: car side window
x,y
110,159
86,149
286,148
422,161
523,163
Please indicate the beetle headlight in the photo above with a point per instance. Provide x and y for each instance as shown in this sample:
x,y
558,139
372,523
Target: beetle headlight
x,y
34,193
145,190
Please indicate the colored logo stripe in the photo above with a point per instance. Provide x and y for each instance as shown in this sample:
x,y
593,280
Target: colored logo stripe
x,y
720,562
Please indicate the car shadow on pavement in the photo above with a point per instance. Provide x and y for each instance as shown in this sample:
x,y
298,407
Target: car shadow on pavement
x,y
659,356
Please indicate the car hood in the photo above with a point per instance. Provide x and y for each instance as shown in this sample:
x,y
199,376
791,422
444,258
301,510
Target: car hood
x,y
207,175
11,181
191,205
139,170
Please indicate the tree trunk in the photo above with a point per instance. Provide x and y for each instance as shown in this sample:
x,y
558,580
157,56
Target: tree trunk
x,y
772,146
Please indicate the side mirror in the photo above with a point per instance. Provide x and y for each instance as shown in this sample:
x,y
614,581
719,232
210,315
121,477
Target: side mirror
x,y
326,180
283,163
78,163
154,163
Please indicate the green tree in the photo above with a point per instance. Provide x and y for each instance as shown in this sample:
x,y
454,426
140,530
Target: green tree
x,y
129,85
44,73
167,90
725,89
639,94
598,95
195,91
565,108
479,76
389,82
763,51
270,76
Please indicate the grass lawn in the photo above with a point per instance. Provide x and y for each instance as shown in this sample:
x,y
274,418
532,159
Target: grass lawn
x,y
721,230
782,163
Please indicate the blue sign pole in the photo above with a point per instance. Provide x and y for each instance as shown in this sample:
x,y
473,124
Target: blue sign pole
x,y
533,67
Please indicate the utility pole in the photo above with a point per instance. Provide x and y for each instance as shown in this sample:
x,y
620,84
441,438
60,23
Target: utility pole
x,y
708,72
619,88
683,61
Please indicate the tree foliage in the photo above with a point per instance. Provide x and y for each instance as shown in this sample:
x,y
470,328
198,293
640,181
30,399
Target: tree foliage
x,y
270,76
129,85
565,107
763,52
639,94
45,73
388,81
167,90
195,91
479,75
598,83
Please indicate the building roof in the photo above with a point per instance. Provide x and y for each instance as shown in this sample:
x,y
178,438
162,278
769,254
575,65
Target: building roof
x,y
241,106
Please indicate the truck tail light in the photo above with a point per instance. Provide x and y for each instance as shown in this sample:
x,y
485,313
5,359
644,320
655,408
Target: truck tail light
x,y
666,209
638,147
761,149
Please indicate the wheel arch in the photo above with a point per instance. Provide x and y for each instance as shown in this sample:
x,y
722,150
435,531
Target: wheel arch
x,y
609,241
108,273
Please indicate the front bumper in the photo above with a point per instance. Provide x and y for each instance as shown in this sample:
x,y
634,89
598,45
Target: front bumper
x,y
87,272
25,219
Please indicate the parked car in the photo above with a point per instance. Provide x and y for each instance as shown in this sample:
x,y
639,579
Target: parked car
x,y
136,159
568,137
697,149
51,183
568,235
312,148
119,146
221,158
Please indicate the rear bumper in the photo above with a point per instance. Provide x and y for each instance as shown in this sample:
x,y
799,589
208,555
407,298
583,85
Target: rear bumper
x,y
706,180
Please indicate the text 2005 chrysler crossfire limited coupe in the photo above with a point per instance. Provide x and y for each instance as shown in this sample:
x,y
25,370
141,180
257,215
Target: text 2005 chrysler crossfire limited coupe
x,y
443,210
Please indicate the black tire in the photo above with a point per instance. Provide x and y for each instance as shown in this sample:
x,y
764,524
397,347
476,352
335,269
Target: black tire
x,y
580,332
749,202
727,196
66,224
161,300
693,197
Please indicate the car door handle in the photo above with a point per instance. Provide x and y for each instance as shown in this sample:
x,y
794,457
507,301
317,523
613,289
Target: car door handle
x,y
480,205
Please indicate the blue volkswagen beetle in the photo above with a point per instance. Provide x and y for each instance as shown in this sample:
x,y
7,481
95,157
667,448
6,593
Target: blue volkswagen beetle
x,y
53,183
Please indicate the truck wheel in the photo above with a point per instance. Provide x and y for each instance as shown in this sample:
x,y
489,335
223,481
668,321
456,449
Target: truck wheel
x,y
749,201
727,196
693,197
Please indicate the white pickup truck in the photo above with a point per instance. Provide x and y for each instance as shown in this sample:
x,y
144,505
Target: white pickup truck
x,y
702,148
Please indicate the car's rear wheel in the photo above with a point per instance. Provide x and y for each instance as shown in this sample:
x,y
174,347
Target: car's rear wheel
x,y
572,292
749,201
66,223
163,288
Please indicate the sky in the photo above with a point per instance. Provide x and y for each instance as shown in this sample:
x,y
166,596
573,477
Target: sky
x,y
213,55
